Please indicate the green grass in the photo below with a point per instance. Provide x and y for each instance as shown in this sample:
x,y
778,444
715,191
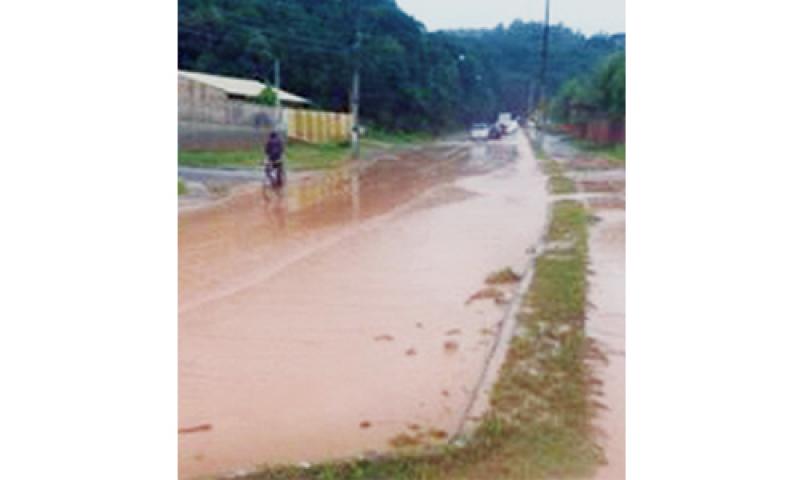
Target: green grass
x,y
305,156
299,156
209,159
558,183
181,188
539,425
614,153
302,156
378,136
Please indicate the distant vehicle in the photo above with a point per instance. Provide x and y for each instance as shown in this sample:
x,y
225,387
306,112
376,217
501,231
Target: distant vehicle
x,y
479,131
507,123
496,132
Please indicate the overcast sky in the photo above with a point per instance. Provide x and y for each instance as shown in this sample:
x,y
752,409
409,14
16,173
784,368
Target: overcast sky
x,y
587,16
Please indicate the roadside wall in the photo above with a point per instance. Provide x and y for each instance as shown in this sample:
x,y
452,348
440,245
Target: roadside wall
x,y
209,120
606,131
318,127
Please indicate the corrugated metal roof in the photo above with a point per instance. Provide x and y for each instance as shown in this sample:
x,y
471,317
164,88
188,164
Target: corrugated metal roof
x,y
290,97
240,86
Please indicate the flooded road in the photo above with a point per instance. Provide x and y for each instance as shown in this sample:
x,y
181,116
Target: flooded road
x,y
329,323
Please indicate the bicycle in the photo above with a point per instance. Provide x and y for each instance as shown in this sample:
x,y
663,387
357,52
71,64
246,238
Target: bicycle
x,y
274,179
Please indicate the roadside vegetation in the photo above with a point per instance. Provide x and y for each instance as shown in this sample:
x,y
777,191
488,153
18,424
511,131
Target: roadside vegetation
x,y
615,153
302,155
558,183
181,188
598,95
299,156
415,79
384,137
539,423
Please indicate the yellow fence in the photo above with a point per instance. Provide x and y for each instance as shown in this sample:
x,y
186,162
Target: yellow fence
x,y
318,127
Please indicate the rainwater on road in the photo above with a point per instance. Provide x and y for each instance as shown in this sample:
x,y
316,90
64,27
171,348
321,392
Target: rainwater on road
x,y
324,324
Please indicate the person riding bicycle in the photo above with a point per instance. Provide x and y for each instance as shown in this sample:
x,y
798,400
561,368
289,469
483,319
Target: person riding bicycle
x,y
273,167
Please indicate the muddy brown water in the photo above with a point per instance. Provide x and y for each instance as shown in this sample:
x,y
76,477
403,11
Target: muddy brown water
x,y
296,317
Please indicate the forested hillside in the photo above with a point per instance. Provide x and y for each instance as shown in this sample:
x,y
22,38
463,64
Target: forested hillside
x,y
411,79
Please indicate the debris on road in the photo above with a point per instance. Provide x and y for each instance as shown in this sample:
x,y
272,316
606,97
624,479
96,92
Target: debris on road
x,y
506,275
199,428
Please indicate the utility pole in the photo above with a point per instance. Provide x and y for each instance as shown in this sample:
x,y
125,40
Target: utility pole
x,y
354,111
529,108
355,94
277,71
543,64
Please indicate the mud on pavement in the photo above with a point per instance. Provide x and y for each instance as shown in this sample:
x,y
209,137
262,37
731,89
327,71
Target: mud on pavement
x,y
335,321
602,188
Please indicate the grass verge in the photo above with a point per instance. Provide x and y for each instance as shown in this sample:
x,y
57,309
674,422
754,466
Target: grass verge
x,y
539,424
299,156
561,185
375,135
182,190
558,183
615,153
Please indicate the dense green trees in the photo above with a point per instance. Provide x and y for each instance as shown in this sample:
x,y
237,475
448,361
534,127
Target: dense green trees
x,y
601,93
411,79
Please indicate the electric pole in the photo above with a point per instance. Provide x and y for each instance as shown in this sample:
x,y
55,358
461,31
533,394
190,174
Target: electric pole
x,y
277,70
529,108
543,64
354,111
355,95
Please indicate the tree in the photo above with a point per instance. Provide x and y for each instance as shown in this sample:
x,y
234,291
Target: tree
x,y
267,97
411,79
600,93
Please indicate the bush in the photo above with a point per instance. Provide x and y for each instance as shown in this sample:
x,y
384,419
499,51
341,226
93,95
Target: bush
x,y
267,97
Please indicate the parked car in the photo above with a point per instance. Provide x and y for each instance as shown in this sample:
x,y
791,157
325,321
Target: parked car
x,y
479,131
496,132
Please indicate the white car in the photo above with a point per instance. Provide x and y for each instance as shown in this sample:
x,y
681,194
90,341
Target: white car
x,y
511,126
479,131
507,123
